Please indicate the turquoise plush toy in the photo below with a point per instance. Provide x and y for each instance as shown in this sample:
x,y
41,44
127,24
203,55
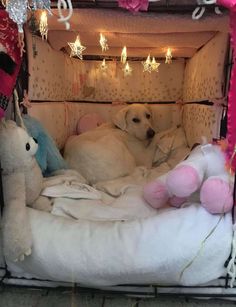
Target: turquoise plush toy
x,y
48,156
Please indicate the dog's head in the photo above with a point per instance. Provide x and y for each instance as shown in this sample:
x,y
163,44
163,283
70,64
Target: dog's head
x,y
136,120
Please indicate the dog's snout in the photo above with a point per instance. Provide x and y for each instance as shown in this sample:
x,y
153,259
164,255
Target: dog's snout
x,y
150,133
35,140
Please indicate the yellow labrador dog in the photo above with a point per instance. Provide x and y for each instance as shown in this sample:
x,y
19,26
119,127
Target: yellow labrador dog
x,y
114,150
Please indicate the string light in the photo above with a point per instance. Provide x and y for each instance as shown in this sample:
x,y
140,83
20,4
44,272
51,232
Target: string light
x,y
77,48
103,43
4,2
127,70
43,25
147,65
155,65
168,56
103,66
123,55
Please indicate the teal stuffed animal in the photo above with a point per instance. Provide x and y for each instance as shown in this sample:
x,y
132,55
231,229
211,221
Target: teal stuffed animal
x,y
48,156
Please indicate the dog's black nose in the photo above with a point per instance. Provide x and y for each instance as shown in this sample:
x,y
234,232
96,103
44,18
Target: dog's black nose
x,y
150,133
35,140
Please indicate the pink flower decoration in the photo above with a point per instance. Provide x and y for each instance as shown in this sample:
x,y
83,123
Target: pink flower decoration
x,y
230,4
134,5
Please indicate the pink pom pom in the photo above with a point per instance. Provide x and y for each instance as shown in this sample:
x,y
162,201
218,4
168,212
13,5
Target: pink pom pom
x,y
183,181
156,194
216,196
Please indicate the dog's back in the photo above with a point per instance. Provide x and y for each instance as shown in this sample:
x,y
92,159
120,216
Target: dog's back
x,y
114,149
99,156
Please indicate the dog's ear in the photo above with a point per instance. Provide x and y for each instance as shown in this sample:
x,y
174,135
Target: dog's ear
x,y
119,119
150,109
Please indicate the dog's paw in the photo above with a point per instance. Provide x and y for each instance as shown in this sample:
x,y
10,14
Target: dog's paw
x,y
110,187
43,203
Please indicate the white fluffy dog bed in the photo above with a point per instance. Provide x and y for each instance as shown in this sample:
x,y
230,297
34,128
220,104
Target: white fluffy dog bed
x,y
165,247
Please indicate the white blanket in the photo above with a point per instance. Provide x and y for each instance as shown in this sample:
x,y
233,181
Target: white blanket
x,y
154,249
139,177
69,185
129,206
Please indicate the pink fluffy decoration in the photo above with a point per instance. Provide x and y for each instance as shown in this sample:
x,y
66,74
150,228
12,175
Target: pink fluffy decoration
x,y
216,196
231,136
88,122
134,5
183,181
156,194
202,172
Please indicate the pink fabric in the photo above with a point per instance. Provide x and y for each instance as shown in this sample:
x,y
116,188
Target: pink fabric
x,y
88,122
9,39
156,194
183,181
231,136
134,5
216,196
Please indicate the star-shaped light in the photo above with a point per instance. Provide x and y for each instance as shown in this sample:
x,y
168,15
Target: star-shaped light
x,y
127,70
76,48
103,42
103,66
123,55
43,25
147,65
155,65
168,56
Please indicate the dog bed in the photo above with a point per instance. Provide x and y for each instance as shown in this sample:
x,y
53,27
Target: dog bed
x,y
97,240
113,237
165,247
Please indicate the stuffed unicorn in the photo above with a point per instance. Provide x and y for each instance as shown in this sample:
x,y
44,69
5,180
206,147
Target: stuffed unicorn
x,y
204,171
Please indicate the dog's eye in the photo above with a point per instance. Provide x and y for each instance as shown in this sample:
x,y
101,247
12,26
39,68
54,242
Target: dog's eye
x,y
136,120
27,146
148,116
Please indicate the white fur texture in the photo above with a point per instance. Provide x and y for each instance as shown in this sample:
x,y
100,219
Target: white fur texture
x,y
22,184
113,150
